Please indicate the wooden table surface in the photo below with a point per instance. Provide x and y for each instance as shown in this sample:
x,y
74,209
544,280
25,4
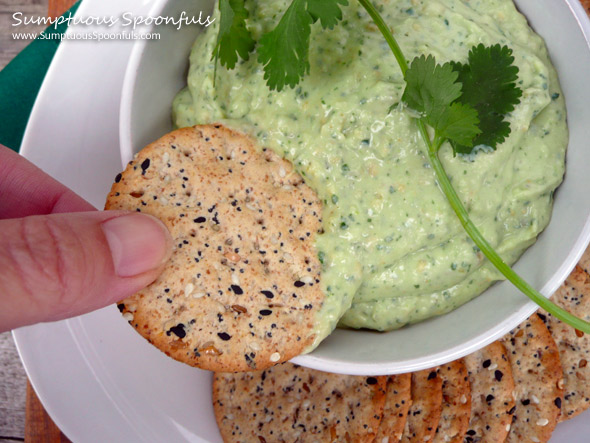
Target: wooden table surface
x,y
22,417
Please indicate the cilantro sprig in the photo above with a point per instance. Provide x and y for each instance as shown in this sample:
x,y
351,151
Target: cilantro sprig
x,y
284,51
466,104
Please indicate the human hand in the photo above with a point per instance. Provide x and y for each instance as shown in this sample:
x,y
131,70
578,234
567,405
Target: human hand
x,y
59,257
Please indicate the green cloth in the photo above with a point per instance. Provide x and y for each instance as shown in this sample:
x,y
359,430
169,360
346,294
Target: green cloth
x,y
20,81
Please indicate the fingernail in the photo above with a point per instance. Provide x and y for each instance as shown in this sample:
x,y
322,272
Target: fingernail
x,y
138,243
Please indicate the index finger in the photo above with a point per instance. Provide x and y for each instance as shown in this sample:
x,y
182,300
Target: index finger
x,y
27,190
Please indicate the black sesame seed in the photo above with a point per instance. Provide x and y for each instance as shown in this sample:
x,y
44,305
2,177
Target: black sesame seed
x,y
512,410
200,220
371,381
487,363
525,402
177,330
489,398
224,336
267,294
498,374
237,290
145,165
432,375
299,284
471,432
118,178
265,312
558,402
121,307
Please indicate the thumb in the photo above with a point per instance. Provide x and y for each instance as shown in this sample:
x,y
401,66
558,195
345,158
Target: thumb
x,y
61,265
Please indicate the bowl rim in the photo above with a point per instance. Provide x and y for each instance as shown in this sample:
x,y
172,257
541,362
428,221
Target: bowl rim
x,y
410,365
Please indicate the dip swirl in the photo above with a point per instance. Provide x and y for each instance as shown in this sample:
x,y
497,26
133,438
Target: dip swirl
x,y
393,250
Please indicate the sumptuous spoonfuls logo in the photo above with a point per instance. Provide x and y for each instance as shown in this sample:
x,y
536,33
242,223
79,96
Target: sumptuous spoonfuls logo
x,y
127,24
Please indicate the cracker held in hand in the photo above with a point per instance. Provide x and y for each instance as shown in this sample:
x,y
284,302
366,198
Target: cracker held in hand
x,y
241,290
538,385
573,345
492,389
289,403
424,414
456,405
398,399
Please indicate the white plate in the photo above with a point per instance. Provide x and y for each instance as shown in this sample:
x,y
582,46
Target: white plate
x,y
98,379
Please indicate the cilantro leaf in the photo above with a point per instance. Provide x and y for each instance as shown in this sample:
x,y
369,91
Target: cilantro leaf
x,y
327,11
430,87
489,85
284,51
233,38
459,124
432,90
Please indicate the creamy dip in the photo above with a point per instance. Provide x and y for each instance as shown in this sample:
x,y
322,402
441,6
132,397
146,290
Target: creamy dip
x,y
393,251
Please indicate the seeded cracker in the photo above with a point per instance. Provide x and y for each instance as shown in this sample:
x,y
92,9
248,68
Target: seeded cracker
x,y
492,389
241,290
424,413
585,261
538,384
289,403
398,399
573,345
456,405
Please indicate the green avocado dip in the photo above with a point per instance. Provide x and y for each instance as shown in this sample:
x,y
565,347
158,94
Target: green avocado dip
x,y
393,250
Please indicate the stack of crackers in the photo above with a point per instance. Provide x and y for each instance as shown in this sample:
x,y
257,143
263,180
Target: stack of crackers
x,y
241,293
515,390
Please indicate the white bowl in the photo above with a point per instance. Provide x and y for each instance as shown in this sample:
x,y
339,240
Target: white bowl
x,y
157,71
